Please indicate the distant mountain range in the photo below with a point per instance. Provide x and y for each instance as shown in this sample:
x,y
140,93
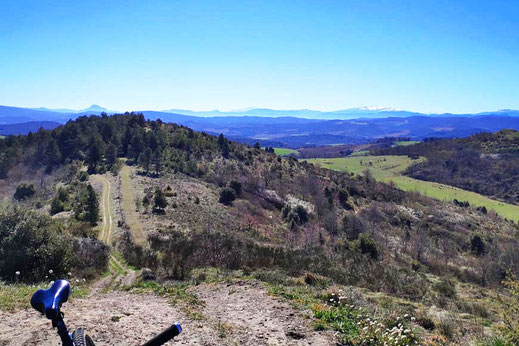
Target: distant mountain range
x,y
290,128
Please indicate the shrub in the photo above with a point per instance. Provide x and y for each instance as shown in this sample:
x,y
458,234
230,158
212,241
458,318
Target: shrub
x,y
90,253
352,226
159,201
56,206
236,186
511,328
82,176
285,210
301,213
425,321
36,245
24,191
446,288
477,245
366,245
273,277
227,196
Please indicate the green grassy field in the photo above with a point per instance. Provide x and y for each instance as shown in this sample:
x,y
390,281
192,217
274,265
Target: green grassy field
x,y
390,168
284,151
405,143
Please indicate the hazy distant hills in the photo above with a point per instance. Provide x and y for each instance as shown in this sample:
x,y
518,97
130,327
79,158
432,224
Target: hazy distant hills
x,y
26,127
291,128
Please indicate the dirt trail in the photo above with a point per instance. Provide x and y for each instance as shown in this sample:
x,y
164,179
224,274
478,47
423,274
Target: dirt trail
x,y
120,274
241,313
106,230
128,205
234,314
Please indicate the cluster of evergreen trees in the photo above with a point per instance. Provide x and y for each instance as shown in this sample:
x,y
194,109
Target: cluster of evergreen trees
x,y
100,141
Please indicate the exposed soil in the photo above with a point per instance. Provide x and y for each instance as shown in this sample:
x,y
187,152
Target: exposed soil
x,y
234,314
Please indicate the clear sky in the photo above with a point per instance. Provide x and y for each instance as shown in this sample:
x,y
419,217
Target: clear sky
x,y
429,56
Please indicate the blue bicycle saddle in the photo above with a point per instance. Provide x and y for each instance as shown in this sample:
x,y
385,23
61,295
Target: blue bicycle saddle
x,y
49,301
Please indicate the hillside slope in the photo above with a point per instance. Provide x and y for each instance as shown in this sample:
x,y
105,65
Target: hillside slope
x,y
484,163
205,202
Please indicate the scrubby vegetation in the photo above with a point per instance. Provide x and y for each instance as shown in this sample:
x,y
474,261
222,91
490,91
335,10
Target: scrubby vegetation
x,y
220,204
34,247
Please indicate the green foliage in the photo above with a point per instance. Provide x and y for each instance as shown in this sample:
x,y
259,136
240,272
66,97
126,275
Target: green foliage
x,y
32,244
24,191
223,145
146,202
301,213
236,186
159,200
446,288
227,196
485,163
510,329
477,245
366,245
56,206
285,210
87,205
82,176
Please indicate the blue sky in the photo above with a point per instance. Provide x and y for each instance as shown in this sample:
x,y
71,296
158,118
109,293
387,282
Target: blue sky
x,y
429,56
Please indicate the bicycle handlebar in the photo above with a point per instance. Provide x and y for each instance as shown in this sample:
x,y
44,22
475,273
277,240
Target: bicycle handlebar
x,y
165,336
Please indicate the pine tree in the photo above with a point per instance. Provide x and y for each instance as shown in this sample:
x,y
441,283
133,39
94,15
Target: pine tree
x,y
92,206
111,155
52,155
223,145
159,201
145,159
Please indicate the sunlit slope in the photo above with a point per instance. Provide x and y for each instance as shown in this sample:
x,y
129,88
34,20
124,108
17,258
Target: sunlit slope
x,y
390,168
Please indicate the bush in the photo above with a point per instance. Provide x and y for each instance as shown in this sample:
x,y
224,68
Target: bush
x,y
446,288
159,201
511,327
90,253
366,245
477,245
24,191
352,227
34,247
285,210
301,213
56,206
227,196
270,276
236,186
82,176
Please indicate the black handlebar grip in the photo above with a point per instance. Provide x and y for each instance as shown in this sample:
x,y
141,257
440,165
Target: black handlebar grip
x,y
165,336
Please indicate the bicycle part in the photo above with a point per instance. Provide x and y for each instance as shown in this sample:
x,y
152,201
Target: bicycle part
x,y
79,338
49,301
165,336
62,330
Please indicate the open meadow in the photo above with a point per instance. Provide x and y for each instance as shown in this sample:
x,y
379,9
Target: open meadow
x,y
391,168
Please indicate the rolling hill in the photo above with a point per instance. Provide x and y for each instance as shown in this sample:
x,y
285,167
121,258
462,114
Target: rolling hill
x,y
197,209
302,128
